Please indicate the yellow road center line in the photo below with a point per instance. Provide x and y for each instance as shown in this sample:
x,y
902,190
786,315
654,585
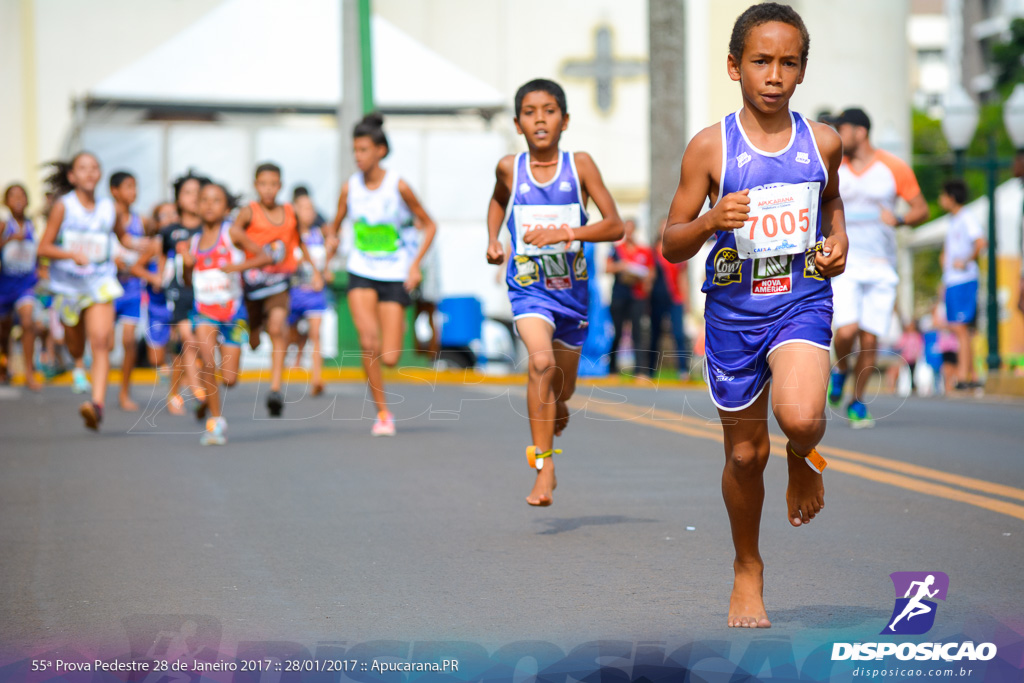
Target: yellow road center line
x,y
836,461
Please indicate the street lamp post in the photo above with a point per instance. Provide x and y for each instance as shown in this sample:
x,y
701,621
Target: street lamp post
x,y
959,122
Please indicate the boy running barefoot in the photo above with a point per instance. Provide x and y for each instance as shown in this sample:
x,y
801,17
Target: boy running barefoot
x,y
772,179
541,196
271,227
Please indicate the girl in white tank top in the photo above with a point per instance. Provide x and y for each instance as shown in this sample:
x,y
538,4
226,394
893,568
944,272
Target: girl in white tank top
x,y
382,270
83,275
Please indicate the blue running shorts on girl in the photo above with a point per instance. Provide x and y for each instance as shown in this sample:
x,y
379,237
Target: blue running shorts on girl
x,y
736,358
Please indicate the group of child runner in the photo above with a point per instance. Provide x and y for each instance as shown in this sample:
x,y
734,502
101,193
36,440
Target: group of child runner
x,y
776,220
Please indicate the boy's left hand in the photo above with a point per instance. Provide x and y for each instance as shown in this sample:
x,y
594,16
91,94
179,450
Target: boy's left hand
x,y
831,260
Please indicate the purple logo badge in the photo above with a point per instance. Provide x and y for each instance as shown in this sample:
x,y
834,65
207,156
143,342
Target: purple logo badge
x,y
914,612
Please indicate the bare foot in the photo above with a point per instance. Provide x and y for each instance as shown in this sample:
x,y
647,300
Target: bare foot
x,y
31,383
561,417
805,495
254,338
318,388
544,485
746,604
127,404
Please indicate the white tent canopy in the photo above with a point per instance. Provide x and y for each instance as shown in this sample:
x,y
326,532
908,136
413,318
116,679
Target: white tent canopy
x,y
265,55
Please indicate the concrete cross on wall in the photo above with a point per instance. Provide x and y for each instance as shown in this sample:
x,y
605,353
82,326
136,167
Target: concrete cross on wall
x,y
604,68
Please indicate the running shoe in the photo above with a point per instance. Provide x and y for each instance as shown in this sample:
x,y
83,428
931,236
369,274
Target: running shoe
x,y
384,425
216,432
275,404
859,416
92,414
835,388
79,382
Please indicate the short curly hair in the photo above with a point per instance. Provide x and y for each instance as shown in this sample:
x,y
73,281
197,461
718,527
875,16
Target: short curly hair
x,y
764,13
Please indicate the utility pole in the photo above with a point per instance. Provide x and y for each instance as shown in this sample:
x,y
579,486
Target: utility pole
x,y
667,29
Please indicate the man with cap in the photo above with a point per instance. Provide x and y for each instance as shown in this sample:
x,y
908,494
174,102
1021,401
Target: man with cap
x,y
864,296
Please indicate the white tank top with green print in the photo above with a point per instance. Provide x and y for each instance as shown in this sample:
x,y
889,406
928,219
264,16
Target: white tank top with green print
x,y
380,222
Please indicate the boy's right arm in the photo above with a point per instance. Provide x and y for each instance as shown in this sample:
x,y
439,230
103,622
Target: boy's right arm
x,y
237,232
687,230
496,209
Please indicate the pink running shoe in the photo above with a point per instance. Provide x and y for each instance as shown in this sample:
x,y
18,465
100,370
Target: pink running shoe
x,y
385,424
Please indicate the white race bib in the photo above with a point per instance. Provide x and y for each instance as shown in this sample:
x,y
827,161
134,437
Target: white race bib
x,y
95,246
214,287
542,217
783,220
19,257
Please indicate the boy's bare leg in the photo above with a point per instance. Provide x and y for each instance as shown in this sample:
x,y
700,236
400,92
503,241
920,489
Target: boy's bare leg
x,y
127,365
799,381
540,401
563,384
865,363
746,453
277,328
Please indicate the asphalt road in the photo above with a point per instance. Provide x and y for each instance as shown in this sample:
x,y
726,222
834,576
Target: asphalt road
x,y
307,531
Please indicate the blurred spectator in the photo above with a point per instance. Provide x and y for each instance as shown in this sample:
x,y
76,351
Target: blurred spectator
x,y
632,265
964,242
668,294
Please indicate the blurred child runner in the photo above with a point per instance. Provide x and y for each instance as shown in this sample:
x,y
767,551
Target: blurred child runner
x,y
541,196
128,308
772,179
158,310
213,264
309,303
964,242
381,271
18,280
82,273
266,226
178,316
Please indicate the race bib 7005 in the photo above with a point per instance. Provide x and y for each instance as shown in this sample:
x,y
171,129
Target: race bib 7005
x,y
544,217
783,220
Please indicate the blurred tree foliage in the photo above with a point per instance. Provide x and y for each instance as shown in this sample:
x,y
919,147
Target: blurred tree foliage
x,y
1006,58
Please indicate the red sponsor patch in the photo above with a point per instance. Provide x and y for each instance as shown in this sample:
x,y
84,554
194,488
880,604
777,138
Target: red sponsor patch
x,y
773,285
558,282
